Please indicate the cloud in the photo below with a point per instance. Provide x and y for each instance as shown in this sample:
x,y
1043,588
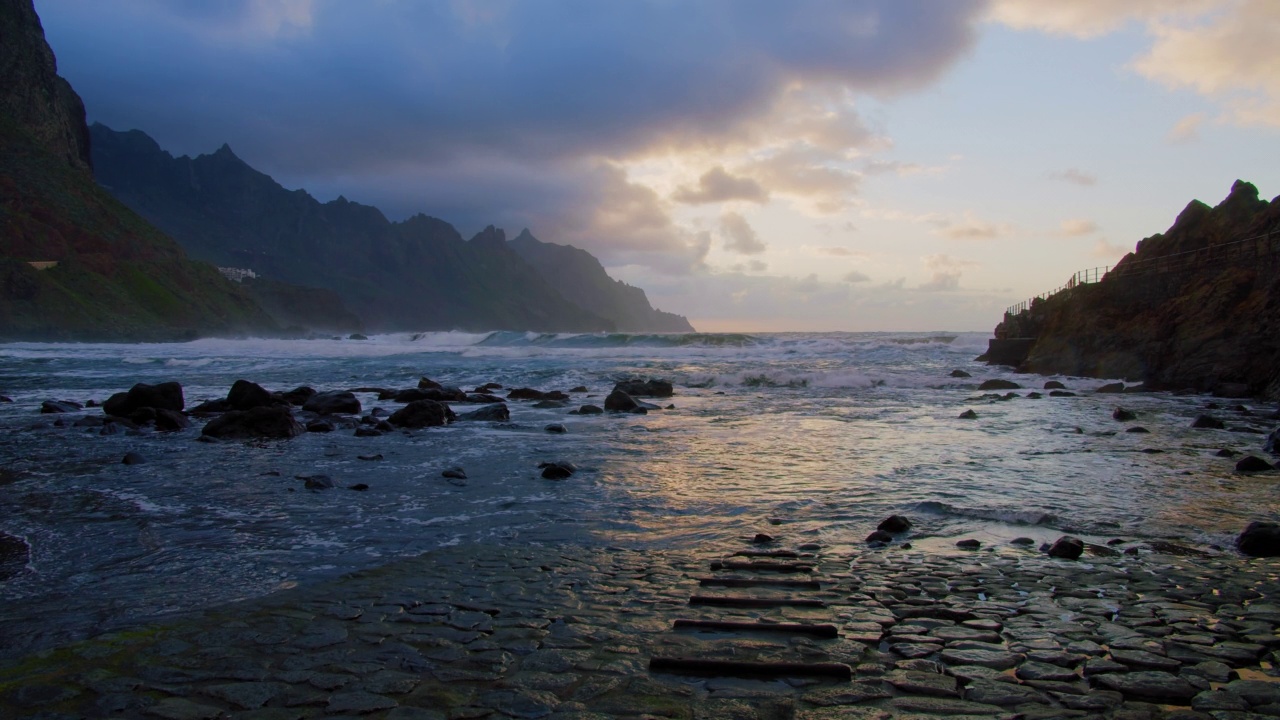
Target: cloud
x,y
717,185
946,272
836,251
853,276
972,228
1074,176
739,237
1090,18
808,176
1079,226
756,266
1106,249
1186,130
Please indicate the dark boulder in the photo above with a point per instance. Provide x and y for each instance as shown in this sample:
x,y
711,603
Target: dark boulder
x,y
488,387
525,394
1061,393
762,539
1208,421
1272,445
483,398
645,388
336,402
143,416
133,458
968,415
579,389
1226,452
1034,395
556,429
1253,463
357,336
997,384
1260,539
59,406
619,401
437,394
557,470
489,413
420,414
1111,388
1137,429
275,421
245,395
170,420
316,482
454,473
5,399
320,426
429,384
894,524
212,407
879,536
298,396
367,432
587,410
1123,415
960,374
969,544
1054,385
165,395
1067,548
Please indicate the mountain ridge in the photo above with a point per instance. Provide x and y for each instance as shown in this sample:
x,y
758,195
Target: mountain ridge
x,y
415,274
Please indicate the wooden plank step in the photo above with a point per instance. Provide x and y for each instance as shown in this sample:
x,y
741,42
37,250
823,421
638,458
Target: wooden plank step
x,y
821,630
751,602
738,668
762,566
760,582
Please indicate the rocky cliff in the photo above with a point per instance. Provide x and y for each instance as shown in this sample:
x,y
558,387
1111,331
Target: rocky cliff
x,y
420,274
580,277
115,277
1197,306
33,95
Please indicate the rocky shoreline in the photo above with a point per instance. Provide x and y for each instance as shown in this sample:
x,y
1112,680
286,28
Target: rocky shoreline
x,y
576,632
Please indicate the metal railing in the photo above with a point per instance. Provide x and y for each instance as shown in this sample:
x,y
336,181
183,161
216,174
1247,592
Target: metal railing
x,y
1251,247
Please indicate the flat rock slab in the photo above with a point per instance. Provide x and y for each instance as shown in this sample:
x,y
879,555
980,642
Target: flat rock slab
x,y
182,709
990,692
359,703
945,706
246,695
985,658
1032,670
923,683
1150,685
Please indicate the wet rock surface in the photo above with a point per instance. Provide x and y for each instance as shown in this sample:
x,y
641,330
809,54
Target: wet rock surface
x,y
569,632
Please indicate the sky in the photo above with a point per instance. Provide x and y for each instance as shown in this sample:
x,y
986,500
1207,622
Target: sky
x,y
819,165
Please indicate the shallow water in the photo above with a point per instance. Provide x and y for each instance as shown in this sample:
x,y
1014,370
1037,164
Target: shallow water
x,y
812,437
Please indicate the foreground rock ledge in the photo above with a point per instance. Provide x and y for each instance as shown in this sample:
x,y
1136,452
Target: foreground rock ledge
x,y
567,632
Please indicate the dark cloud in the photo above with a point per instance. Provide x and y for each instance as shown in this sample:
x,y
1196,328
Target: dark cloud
x,y
478,111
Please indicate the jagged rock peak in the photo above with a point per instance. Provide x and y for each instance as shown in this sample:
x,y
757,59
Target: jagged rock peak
x,y
490,236
33,94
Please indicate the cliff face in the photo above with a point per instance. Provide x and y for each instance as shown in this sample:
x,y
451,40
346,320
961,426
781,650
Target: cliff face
x,y
419,274
116,278
33,95
580,277
1192,308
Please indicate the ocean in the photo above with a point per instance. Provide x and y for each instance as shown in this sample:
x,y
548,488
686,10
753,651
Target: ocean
x,y
811,437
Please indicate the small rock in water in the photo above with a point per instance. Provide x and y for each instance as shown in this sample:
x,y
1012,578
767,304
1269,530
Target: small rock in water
x,y
894,524
969,544
320,426
358,486
1034,396
377,456
1111,388
5,399
1054,385
998,384
879,536
455,472
1061,393
968,415
1226,452
1115,541
59,406
1022,541
316,482
357,336
1067,547
1253,463
556,429
1137,429
960,374
762,539
1272,445
1123,415
587,410
578,389
558,470
1260,539
133,458
1208,421
367,432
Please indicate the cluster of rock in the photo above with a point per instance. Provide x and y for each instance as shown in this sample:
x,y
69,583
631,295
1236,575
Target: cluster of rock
x,y
571,632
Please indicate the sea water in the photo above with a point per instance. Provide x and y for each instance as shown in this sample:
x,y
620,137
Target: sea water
x,y
808,437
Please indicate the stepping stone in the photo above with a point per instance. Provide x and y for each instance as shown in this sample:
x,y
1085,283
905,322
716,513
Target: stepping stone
x,y
945,706
824,630
991,692
1151,685
730,668
1032,670
751,602
182,709
985,658
760,582
1143,659
762,566
923,683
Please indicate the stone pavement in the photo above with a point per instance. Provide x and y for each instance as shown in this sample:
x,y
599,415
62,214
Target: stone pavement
x,y
568,633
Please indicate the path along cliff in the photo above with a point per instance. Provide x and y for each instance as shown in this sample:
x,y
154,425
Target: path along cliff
x,y
1196,307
